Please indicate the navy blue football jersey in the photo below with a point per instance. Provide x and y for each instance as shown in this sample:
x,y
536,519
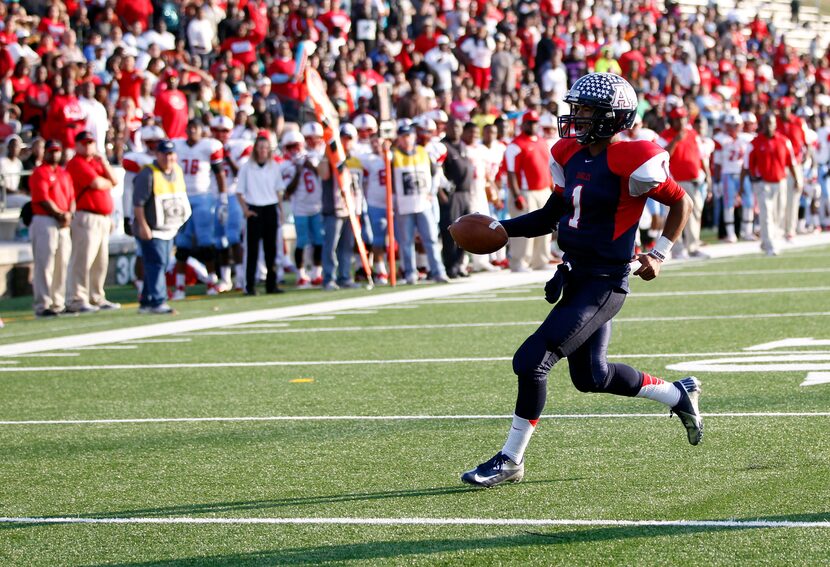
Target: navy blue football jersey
x,y
603,196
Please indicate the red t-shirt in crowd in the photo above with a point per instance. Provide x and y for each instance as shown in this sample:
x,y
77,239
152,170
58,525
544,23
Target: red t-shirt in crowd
x,y
529,158
242,48
132,11
424,43
769,158
285,91
129,85
64,119
83,172
54,28
685,162
52,183
39,92
171,108
336,19
627,59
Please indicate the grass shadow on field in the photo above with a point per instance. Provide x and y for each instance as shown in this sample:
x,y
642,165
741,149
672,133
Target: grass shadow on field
x,y
213,508
397,549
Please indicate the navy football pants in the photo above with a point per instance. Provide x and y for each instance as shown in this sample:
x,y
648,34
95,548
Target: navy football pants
x,y
578,328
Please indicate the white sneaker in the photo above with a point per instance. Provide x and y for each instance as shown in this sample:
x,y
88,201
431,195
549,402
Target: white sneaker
x,y
331,286
224,286
178,295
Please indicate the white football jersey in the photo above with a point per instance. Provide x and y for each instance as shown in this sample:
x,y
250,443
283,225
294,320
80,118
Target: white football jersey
x,y
374,179
823,151
307,199
240,151
195,162
730,153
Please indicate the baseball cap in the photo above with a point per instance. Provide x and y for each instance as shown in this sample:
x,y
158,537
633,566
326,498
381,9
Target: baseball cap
x,y
84,136
404,127
263,81
678,112
530,116
52,145
170,72
443,40
166,147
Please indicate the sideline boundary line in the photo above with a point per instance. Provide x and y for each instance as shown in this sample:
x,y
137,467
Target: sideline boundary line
x,y
822,354
481,283
427,522
389,418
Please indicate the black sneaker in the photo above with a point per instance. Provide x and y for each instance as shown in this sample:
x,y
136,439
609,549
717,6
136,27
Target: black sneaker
x,y
497,470
46,313
687,408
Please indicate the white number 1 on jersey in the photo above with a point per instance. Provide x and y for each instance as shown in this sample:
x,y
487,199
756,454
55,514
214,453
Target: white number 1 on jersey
x,y
573,222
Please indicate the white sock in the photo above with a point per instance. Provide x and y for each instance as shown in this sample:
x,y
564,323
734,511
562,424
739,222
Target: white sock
x,y
518,438
380,267
659,391
139,285
301,274
226,273
318,272
180,278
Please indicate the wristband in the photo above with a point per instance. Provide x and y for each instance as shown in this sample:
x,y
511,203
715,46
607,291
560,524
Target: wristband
x,y
661,248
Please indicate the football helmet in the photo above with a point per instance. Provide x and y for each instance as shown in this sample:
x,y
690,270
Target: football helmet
x,y
613,100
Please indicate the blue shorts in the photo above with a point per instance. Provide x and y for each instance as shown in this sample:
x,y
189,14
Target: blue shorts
x,y
731,191
379,223
229,233
309,230
197,232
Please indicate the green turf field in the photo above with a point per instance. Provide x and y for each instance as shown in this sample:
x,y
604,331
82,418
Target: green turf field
x,y
608,469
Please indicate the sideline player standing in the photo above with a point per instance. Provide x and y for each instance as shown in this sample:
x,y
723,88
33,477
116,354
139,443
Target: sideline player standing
x,y
198,158
596,223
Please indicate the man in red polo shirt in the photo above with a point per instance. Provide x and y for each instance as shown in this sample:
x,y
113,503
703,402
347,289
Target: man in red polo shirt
x,y
767,162
795,130
52,207
530,184
92,180
691,172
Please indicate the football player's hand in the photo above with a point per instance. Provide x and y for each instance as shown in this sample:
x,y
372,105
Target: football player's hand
x,y
649,266
249,213
520,202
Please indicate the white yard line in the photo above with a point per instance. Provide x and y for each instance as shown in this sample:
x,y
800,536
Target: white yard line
x,y
771,272
741,524
645,294
268,328
396,300
820,355
141,420
158,341
108,347
484,282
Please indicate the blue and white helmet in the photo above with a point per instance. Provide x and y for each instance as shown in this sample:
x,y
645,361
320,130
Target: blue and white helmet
x,y
613,100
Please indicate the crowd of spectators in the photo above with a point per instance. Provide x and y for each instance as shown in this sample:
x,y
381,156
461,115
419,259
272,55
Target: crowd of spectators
x,y
113,68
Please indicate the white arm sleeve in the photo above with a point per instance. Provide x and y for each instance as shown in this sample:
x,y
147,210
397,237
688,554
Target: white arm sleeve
x,y
649,175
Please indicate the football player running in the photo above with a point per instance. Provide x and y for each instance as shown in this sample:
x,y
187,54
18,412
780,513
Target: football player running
x,y
596,221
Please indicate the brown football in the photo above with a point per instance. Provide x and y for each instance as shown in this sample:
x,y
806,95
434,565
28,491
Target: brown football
x,y
478,233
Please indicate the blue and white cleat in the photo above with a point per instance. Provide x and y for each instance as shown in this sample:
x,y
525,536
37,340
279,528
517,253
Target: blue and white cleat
x,y
498,470
687,408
